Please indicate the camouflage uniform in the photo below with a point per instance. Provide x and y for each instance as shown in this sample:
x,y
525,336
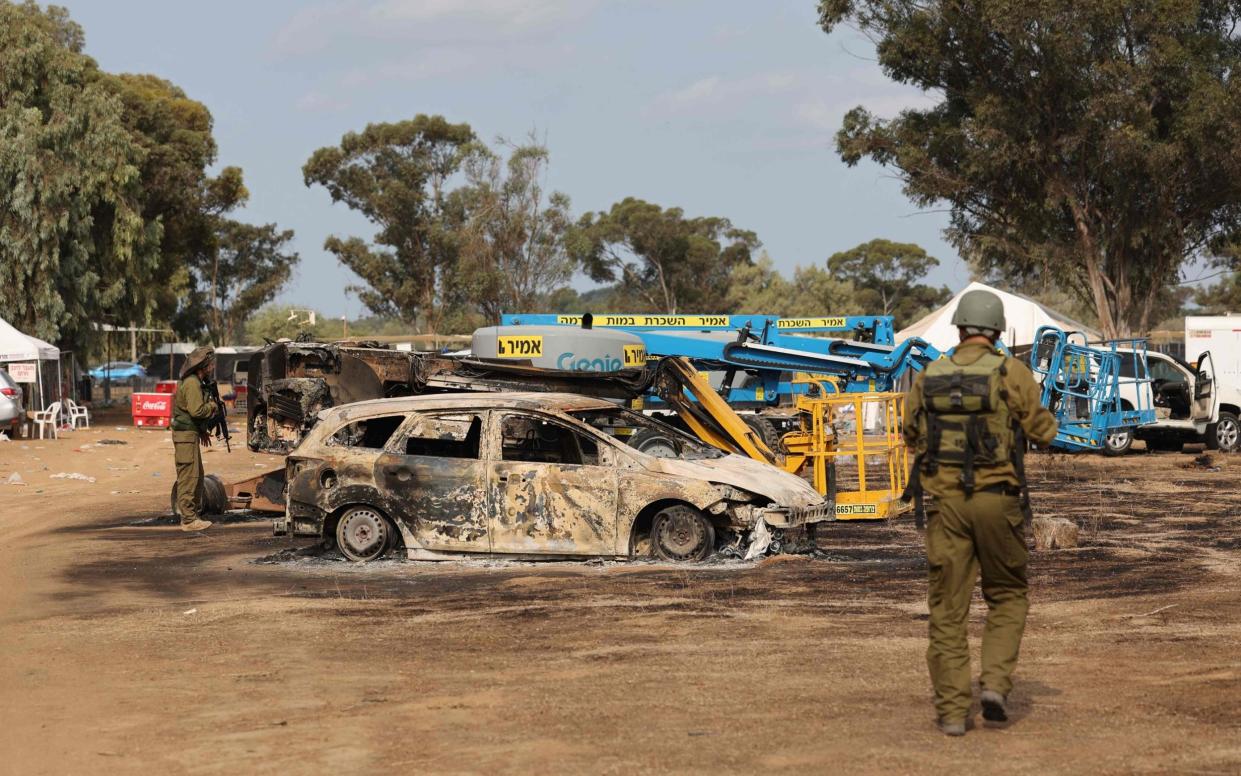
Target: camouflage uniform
x,y
191,412
979,530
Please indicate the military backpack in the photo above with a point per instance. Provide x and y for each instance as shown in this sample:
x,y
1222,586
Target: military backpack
x,y
965,420
965,423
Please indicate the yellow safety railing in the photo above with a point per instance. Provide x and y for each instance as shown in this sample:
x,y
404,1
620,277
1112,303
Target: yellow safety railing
x,y
866,467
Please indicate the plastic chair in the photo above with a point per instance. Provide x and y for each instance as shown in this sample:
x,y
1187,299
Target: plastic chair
x,y
48,417
77,412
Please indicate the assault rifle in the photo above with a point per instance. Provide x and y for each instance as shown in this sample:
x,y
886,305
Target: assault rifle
x,y
219,423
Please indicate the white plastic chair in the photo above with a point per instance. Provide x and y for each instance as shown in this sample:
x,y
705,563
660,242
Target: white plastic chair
x,y
48,417
77,412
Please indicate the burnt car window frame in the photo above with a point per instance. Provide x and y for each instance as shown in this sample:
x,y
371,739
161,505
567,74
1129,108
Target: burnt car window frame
x,y
399,443
569,424
329,439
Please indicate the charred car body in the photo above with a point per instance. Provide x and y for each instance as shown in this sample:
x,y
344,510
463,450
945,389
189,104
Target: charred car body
x,y
526,474
290,383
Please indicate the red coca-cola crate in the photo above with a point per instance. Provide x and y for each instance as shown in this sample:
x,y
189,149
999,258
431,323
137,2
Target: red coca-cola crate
x,y
166,386
152,409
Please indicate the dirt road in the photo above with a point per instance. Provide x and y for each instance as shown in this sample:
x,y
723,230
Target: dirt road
x,y
127,646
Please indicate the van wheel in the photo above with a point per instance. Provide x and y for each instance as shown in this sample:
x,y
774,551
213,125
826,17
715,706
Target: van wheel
x,y
363,534
682,533
1118,442
1225,434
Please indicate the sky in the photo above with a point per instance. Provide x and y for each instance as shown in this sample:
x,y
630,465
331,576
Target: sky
x,y
719,108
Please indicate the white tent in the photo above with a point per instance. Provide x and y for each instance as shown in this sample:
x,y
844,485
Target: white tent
x,y
18,347
15,346
1023,315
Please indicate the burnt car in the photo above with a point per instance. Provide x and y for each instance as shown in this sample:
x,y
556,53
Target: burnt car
x,y
290,383
540,475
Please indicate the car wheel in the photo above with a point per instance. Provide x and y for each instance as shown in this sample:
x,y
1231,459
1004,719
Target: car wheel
x,y
1118,442
654,443
1225,434
682,533
363,534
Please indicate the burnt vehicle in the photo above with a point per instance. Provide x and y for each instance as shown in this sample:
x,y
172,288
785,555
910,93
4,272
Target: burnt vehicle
x,y
539,475
290,383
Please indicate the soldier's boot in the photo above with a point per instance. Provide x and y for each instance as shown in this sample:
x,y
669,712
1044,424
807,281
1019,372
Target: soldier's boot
x,y
994,706
196,525
952,728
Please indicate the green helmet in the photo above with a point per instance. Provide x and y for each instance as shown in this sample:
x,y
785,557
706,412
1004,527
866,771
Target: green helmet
x,y
980,309
196,359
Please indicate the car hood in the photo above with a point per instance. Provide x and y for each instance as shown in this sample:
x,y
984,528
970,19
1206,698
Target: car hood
x,y
784,489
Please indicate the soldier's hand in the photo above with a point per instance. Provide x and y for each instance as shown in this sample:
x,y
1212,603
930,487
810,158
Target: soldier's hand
x,y
204,439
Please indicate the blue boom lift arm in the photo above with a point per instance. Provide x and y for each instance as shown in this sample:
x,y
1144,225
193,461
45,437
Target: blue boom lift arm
x,y
761,347
878,329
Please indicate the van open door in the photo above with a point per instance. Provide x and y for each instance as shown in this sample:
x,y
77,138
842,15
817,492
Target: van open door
x,y
1206,398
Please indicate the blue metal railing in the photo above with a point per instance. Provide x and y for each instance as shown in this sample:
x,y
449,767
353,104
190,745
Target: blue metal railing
x,y
1083,385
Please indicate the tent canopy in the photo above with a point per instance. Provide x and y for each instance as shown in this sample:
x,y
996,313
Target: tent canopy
x,y
15,346
1023,315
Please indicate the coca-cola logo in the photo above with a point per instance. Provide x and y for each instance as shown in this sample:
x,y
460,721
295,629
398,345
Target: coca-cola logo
x,y
153,406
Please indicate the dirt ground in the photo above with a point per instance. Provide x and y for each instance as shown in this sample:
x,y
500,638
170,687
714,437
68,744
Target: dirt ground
x,y
127,646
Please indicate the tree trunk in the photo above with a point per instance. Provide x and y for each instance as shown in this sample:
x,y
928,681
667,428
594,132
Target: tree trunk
x,y
1094,272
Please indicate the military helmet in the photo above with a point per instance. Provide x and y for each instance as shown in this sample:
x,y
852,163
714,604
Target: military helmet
x,y
980,309
196,359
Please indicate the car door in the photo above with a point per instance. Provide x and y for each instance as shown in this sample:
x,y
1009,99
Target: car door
x,y
435,480
553,488
1206,397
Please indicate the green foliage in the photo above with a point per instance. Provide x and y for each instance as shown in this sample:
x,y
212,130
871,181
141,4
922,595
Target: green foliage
x,y
562,300
512,240
283,321
174,133
396,175
250,266
73,243
289,321
1091,146
1220,298
670,263
886,276
108,213
759,289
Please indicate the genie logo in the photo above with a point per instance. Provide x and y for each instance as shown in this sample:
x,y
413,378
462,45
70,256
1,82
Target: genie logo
x,y
570,362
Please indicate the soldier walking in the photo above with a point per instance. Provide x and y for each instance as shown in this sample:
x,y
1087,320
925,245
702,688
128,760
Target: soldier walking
x,y
192,410
967,417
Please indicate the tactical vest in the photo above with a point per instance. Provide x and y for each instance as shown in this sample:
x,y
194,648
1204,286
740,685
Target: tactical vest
x,y
965,422
181,418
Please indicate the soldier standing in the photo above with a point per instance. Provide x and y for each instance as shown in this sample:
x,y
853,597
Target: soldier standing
x,y
191,412
967,417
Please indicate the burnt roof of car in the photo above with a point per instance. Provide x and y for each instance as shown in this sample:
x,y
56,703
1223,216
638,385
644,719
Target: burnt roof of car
x,y
528,400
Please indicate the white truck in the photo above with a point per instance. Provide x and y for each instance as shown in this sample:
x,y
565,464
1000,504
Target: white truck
x,y
1193,403
1220,334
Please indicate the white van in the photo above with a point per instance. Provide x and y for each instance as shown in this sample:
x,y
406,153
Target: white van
x,y
1220,334
1191,405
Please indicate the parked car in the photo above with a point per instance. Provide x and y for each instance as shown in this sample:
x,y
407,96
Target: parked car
x,y
10,400
527,474
117,370
1192,404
